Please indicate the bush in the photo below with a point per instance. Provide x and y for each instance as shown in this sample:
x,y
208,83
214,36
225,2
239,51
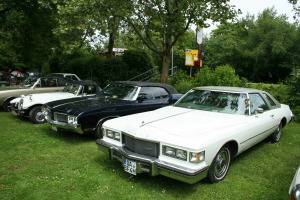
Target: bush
x,y
137,62
221,76
101,69
294,96
278,91
286,94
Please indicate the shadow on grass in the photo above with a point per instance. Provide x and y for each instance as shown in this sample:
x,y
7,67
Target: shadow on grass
x,y
158,184
68,136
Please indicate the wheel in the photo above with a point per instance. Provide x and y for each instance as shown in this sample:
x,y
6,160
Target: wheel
x,y
6,105
220,165
275,137
36,116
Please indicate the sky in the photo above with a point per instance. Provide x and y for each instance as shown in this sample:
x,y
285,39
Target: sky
x,y
254,7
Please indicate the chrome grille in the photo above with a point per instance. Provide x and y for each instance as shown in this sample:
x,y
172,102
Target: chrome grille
x,y
59,117
141,146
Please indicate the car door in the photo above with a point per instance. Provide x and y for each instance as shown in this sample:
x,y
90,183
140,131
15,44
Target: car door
x,y
261,122
49,84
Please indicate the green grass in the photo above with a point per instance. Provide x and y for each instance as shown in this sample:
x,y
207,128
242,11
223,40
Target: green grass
x,y
38,163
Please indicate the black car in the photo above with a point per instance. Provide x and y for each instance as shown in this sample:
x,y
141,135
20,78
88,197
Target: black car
x,y
117,99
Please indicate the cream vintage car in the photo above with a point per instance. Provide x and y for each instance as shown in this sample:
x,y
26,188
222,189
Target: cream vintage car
x,y
198,136
31,85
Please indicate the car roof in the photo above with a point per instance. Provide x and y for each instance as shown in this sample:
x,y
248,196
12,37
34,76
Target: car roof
x,y
62,74
169,88
229,89
53,76
83,82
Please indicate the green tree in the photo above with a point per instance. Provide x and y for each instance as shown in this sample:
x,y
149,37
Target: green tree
x,y
84,22
260,50
159,24
26,38
296,7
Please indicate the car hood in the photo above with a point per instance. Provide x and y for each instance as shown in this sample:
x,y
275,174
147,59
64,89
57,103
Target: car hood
x,y
52,95
173,124
88,105
47,97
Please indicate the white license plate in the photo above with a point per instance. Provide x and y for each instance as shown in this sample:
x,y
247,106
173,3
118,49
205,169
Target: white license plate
x,y
130,166
54,128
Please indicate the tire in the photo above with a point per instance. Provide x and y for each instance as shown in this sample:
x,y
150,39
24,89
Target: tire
x,y
220,165
5,106
36,116
275,137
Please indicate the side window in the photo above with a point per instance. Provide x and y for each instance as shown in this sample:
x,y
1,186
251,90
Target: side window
x,y
43,82
73,77
61,82
51,82
256,101
270,100
89,89
153,92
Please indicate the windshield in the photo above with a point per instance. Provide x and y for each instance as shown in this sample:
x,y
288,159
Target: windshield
x,y
125,92
71,88
29,81
215,101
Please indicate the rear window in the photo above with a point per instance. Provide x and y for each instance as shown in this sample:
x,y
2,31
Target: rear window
x,y
269,99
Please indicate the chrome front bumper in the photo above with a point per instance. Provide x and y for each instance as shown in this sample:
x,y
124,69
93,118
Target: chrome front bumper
x,y
60,125
153,166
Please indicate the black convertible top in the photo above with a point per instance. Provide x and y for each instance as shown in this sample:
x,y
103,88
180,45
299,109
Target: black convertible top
x,y
169,88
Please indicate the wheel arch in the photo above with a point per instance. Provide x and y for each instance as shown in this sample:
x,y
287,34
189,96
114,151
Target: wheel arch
x,y
6,102
283,121
31,107
233,147
102,120
9,99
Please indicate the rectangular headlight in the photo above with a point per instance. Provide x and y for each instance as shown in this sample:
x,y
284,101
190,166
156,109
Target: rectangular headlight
x,y
174,152
113,135
197,157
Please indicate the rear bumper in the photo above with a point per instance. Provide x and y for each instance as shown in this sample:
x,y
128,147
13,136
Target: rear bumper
x,y
153,166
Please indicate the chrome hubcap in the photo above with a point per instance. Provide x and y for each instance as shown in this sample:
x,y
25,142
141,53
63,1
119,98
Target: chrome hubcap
x,y
39,116
222,163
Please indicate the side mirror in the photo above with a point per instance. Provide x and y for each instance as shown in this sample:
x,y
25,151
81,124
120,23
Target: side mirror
x,y
174,98
140,99
259,110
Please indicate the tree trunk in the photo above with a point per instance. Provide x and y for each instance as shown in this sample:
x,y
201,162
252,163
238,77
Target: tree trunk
x,y
166,61
111,44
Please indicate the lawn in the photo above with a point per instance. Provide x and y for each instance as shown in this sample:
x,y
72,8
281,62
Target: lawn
x,y
38,163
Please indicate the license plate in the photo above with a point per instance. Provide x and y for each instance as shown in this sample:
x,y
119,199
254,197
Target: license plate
x,y
130,166
54,128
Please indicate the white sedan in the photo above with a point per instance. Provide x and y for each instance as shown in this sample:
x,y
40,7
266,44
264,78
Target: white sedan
x,y
196,137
